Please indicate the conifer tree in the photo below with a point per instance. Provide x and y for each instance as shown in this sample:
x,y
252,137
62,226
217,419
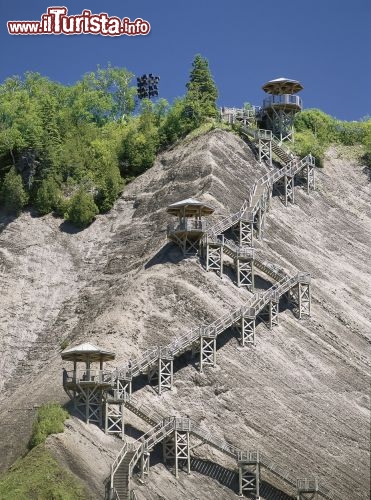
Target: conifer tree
x,y
13,195
202,92
48,196
82,209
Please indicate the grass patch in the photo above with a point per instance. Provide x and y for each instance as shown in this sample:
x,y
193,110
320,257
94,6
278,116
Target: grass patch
x,y
205,127
49,420
39,476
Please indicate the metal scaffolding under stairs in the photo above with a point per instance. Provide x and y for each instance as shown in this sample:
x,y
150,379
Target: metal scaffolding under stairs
x,y
176,435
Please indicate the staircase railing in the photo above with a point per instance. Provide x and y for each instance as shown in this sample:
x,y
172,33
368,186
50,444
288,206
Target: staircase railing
x,y
116,463
216,327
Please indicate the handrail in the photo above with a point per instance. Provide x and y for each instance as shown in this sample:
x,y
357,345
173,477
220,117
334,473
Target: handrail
x,y
188,224
166,425
282,99
116,463
257,303
87,375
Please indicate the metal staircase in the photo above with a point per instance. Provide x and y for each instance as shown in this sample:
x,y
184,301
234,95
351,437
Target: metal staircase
x,y
196,336
123,467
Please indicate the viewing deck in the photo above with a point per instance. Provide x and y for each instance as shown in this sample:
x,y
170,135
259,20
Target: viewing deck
x,y
92,377
190,226
284,101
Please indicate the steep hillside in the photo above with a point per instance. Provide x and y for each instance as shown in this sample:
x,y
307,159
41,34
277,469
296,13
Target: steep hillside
x,y
300,395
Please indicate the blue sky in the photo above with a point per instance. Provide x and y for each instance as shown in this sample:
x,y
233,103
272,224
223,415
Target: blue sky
x,y
323,43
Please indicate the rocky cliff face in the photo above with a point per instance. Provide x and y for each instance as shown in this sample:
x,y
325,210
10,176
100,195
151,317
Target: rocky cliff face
x,y
300,395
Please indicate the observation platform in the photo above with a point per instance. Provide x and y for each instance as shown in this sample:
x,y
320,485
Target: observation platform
x,y
87,376
190,225
284,101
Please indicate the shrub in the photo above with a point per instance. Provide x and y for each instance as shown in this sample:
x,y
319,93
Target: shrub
x,y
50,420
109,190
82,209
306,142
13,194
48,196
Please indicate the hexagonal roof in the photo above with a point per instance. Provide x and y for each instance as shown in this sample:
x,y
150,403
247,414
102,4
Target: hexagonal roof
x,y
282,85
190,206
87,351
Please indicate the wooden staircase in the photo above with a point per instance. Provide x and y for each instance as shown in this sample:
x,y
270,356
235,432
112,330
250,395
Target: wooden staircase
x,y
121,477
282,153
127,458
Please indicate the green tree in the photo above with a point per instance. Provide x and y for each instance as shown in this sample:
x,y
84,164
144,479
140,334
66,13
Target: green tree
x,y
141,141
48,196
201,90
13,195
82,209
178,122
114,84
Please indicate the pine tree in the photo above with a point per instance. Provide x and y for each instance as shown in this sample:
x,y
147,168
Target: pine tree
x,y
13,195
82,209
48,196
202,92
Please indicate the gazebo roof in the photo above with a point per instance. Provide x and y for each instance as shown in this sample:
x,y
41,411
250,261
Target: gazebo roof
x,y
87,351
282,85
190,206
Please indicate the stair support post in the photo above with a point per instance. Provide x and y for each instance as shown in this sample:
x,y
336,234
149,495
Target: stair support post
x,y
114,419
246,230
249,477
289,189
214,258
259,224
245,273
207,349
144,464
273,313
165,371
123,387
307,489
310,178
176,447
182,451
304,299
265,150
246,327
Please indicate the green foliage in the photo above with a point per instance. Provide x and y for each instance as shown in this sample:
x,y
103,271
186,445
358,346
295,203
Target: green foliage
x,y
140,142
64,344
50,420
13,194
178,123
82,209
76,145
39,476
307,143
367,142
316,131
74,136
48,196
113,84
202,92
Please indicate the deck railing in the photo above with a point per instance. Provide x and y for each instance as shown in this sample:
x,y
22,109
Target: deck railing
x,y
283,99
307,484
87,376
187,225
